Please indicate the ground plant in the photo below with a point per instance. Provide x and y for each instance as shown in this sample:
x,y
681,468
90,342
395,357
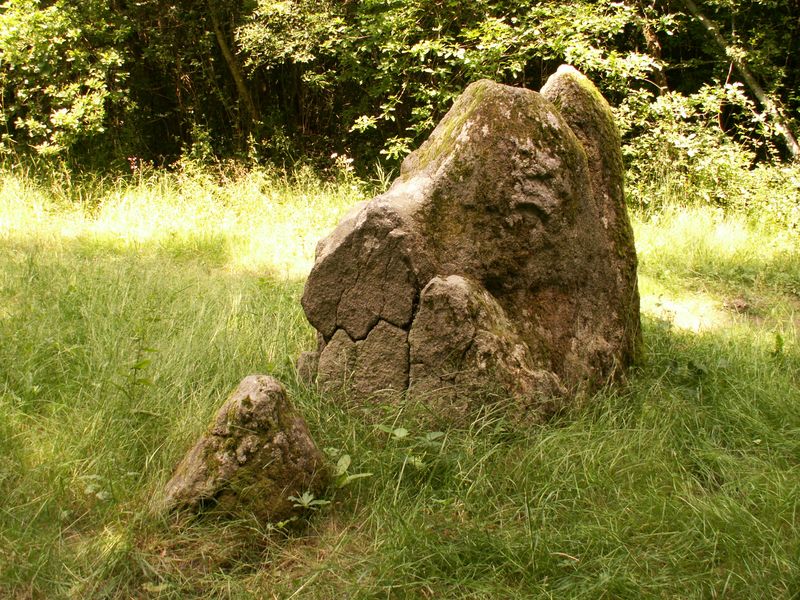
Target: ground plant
x,y
131,306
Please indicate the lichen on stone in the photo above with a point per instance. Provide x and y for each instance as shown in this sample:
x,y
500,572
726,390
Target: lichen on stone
x,y
256,453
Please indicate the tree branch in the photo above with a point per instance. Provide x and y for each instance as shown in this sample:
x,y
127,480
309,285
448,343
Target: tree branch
x,y
233,65
769,105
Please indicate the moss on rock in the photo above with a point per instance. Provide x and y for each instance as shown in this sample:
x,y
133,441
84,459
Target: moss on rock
x,y
255,455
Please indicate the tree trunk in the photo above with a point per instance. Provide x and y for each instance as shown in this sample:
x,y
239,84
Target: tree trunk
x,y
769,105
653,47
233,66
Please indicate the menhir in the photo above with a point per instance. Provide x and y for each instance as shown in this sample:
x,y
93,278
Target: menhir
x,y
501,260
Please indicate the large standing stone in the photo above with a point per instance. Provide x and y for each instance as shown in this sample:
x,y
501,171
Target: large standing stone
x,y
501,258
256,454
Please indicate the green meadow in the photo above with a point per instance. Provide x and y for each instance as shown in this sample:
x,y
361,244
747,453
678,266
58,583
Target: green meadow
x,y
130,308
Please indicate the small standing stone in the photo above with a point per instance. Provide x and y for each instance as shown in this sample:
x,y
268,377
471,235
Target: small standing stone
x,y
256,454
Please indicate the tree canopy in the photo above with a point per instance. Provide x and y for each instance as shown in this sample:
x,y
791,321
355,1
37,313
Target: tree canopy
x,y
282,79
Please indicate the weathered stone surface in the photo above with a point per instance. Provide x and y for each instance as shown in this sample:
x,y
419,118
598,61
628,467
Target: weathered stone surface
x,y
366,278
382,360
307,367
503,249
462,344
337,361
590,117
256,454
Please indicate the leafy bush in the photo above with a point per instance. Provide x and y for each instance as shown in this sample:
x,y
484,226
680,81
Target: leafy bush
x,y
685,148
395,68
62,70
285,80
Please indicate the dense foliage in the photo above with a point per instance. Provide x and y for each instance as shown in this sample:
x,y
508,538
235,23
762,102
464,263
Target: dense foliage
x,y
284,79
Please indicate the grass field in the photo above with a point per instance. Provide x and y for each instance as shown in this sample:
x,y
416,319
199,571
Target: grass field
x,y
129,309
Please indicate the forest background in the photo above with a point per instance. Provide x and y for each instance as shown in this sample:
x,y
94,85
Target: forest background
x,y
708,88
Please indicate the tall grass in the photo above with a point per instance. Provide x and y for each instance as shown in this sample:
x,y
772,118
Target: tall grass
x,y
257,220
130,308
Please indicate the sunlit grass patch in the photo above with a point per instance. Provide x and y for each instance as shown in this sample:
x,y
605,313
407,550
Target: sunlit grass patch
x,y
256,221
105,347
701,269
725,253
690,310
